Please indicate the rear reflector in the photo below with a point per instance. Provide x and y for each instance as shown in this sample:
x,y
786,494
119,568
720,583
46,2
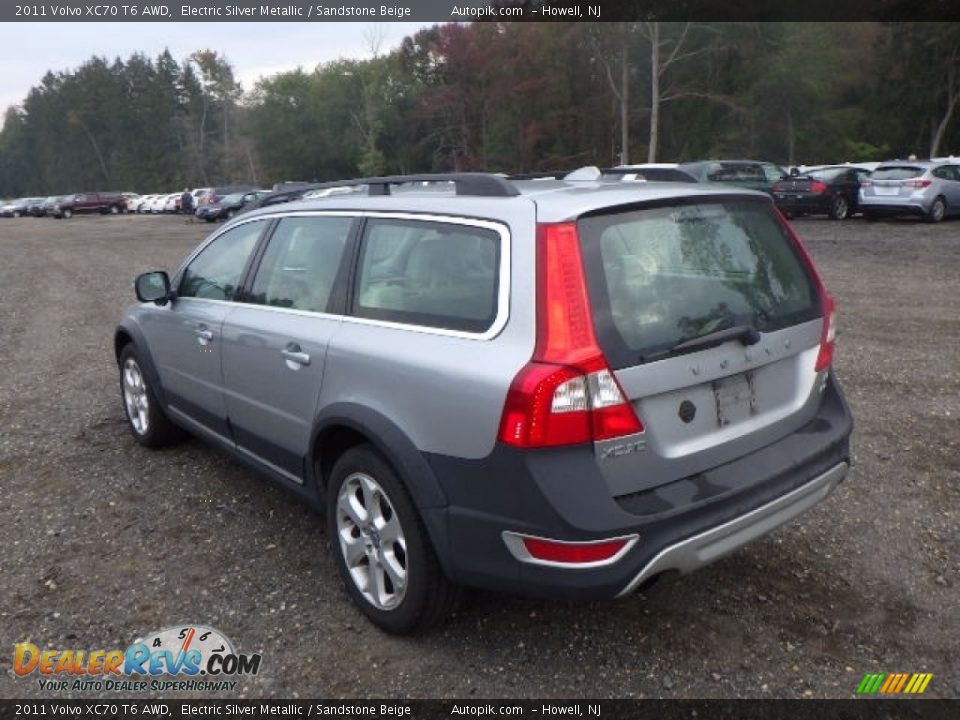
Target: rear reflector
x,y
570,553
567,393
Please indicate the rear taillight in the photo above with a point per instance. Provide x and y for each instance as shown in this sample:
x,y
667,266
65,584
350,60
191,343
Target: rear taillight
x,y
828,333
828,330
918,184
818,187
567,393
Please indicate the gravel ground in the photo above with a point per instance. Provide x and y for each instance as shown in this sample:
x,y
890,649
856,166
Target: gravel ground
x,y
104,540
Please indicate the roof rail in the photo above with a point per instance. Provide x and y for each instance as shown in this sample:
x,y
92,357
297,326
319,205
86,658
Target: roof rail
x,y
558,175
478,184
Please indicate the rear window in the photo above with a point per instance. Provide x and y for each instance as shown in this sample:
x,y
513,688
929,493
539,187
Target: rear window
x,y
661,276
896,173
827,173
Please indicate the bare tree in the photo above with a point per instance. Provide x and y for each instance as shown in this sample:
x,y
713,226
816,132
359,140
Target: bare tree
x,y
665,53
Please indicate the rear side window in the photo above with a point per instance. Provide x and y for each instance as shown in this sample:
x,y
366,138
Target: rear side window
x,y
896,173
661,276
428,273
735,173
300,265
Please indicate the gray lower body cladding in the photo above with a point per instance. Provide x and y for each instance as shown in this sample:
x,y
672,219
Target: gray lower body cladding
x,y
560,494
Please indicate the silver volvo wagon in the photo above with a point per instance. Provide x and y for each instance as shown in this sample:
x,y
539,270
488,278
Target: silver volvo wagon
x,y
563,387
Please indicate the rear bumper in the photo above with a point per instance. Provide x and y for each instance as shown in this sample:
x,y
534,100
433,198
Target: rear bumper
x,y
804,203
702,549
896,206
560,494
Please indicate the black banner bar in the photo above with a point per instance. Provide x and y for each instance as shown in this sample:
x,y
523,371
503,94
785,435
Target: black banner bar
x,y
482,10
860,709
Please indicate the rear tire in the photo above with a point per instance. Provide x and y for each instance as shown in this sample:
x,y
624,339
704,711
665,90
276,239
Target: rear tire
x,y
147,422
114,210
938,210
839,208
383,551
67,214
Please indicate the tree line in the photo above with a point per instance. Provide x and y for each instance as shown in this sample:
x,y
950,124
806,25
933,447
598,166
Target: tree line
x,y
499,97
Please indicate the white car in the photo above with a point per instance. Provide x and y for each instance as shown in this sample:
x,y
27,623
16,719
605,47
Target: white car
x,y
156,204
171,203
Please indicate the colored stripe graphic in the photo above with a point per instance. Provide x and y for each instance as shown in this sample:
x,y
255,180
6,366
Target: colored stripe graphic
x,y
894,683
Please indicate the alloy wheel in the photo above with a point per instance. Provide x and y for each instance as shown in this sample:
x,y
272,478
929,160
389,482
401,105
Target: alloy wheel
x,y
372,542
135,396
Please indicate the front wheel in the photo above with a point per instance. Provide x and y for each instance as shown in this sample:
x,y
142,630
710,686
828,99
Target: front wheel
x,y
114,210
145,418
381,547
937,211
67,214
16,213
839,208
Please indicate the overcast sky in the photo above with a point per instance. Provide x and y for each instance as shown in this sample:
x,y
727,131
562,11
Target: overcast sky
x,y
28,50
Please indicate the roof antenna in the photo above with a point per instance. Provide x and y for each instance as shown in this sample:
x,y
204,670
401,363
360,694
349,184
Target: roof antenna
x,y
584,174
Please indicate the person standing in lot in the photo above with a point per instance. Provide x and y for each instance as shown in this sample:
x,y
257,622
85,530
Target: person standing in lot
x,y
186,202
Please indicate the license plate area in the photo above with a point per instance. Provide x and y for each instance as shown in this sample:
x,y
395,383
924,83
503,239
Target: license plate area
x,y
886,189
735,398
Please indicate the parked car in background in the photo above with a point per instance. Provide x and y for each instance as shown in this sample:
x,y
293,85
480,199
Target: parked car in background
x,y
198,194
35,208
216,194
89,202
45,208
128,199
18,208
652,172
156,204
749,174
930,190
559,388
831,190
231,205
171,203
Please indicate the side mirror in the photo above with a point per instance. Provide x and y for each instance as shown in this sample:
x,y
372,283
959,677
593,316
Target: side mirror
x,y
153,287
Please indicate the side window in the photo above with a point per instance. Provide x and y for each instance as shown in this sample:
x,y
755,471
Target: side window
x,y
425,273
942,172
300,265
216,272
773,173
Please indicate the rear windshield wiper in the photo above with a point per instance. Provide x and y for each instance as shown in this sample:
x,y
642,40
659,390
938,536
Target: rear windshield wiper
x,y
747,334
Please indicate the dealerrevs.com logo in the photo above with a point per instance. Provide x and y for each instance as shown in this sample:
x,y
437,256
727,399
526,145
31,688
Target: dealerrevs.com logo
x,y
184,657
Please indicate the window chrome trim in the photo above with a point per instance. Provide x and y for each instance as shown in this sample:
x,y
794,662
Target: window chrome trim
x,y
503,285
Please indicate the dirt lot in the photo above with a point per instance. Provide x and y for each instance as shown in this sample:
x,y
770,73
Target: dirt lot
x,y
103,540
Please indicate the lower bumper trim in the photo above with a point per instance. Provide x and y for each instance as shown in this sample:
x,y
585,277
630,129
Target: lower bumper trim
x,y
699,550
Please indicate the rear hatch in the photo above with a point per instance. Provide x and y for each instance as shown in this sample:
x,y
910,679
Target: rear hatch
x,y
711,319
894,181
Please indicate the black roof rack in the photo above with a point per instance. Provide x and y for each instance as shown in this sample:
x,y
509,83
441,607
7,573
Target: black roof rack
x,y
558,175
479,184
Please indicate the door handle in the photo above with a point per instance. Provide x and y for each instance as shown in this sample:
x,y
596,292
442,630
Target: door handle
x,y
293,353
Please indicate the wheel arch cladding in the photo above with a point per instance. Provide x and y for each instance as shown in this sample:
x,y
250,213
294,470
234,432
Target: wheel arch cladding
x,y
343,425
127,334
